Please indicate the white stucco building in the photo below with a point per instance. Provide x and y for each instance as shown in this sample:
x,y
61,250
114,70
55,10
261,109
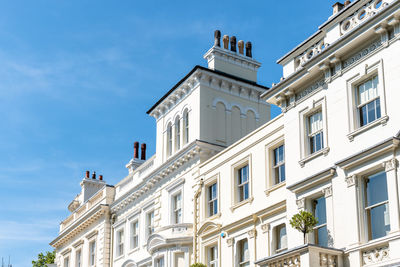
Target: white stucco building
x,y
226,179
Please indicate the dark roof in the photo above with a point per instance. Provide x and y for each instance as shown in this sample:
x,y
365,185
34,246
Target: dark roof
x,y
209,70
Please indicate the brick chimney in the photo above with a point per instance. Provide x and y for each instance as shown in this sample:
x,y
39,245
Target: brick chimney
x,y
337,7
229,60
91,186
135,162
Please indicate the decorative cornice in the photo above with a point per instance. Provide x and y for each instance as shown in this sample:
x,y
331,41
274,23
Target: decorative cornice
x,y
312,181
390,165
79,225
171,166
327,191
369,153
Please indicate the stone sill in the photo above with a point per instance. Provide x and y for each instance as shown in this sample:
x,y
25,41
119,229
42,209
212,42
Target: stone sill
x,y
383,120
323,151
237,205
274,187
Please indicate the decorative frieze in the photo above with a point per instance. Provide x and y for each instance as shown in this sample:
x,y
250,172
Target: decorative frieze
x,y
293,261
361,53
303,93
327,260
376,255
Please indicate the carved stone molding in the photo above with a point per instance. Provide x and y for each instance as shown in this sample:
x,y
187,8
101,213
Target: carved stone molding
x,y
252,233
376,255
351,180
390,165
327,260
230,241
265,227
327,191
301,203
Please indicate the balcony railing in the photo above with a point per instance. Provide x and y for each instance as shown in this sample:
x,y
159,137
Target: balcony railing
x,y
308,255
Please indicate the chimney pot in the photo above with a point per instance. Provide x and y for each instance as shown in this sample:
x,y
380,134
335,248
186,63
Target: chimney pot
x,y
143,154
94,175
225,40
241,47
233,43
217,38
136,150
87,174
248,50
347,2
101,177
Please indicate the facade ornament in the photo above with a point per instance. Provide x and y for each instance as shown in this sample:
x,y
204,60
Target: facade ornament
x,y
265,227
351,180
252,233
301,203
229,242
376,255
327,191
390,165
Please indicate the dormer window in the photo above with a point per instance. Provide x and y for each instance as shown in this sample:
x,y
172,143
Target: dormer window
x,y
177,134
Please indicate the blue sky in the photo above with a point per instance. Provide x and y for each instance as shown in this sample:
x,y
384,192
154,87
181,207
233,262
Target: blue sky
x,y
76,78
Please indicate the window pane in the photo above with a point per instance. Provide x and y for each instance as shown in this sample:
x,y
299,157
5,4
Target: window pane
x,y
379,221
378,108
322,236
376,189
371,111
320,210
282,173
246,191
363,115
282,237
318,142
315,122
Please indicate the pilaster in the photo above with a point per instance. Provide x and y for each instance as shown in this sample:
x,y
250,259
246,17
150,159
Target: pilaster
x,y
393,193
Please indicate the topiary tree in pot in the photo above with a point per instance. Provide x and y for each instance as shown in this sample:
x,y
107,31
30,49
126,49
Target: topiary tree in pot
x,y
197,264
304,221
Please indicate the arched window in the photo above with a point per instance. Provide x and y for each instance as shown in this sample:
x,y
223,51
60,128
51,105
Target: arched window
x,y
220,122
251,121
177,134
169,139
186,126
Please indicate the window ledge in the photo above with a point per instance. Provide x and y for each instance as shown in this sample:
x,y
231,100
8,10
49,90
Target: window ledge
x,y
119,257
274,187
374,243
215,216
134,250
323,151
237,205
383,120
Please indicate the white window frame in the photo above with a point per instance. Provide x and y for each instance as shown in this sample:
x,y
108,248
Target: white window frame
x,y
245,261
149,224
277,165
158,260
177,133
92,254
78,260
186,126
316,228
363,74
270,179
66,262
212,262
131,233
174,209
212,202
363,195
120,242
316,106
277,238
236,202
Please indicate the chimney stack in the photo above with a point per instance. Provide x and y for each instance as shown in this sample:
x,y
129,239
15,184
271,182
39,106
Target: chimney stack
x,y
233,43
136,150
94,175
143,149
87,174
337,7
346,3
217,38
